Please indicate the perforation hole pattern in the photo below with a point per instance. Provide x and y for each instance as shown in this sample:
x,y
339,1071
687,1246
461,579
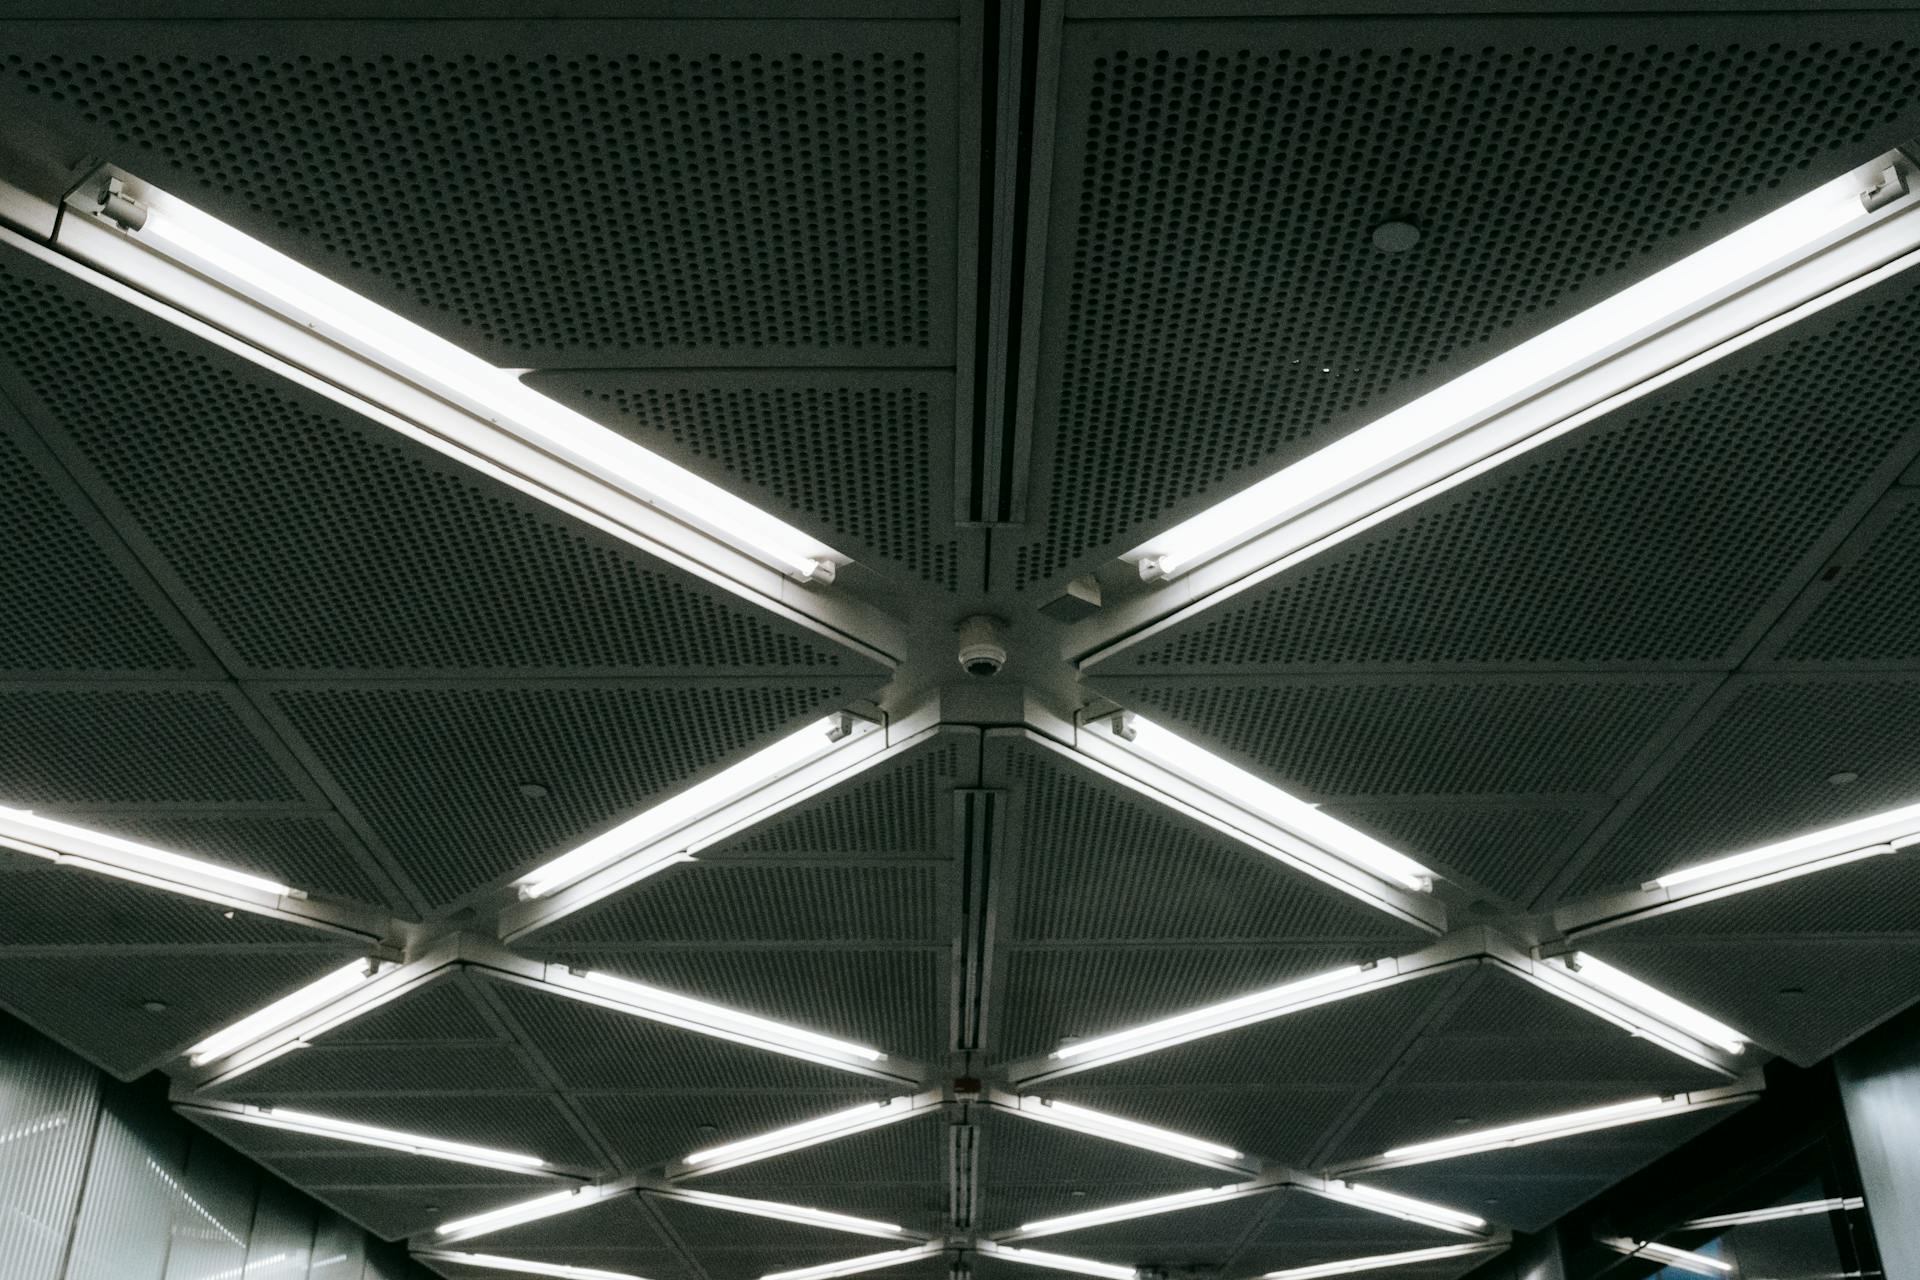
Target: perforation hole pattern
x,y
319,541
1225,310
854,460
549,205
1682,515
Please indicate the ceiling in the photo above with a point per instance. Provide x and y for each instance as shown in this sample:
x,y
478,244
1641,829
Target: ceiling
x,y
980,296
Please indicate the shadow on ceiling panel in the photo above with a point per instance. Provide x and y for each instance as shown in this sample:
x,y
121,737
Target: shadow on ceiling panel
x,y
1097,861
1507,851
1503,1051
1804,966
1529,1187
77,603
863,459
1211,262
1468,736
561,194
1758,769
437,771
655,1126
1672,531
311,540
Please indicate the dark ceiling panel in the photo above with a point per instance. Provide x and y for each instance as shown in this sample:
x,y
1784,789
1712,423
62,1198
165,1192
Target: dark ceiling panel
x,y
1803,966
1211,259
1303,1229
656,1126
436,770
1687,520
1758,771
1860,615
864,459
1203,1237
1529,1187
313,540
621,1234
1030,1170
764,193
1507,851
1505,1051
902,1167
1377,737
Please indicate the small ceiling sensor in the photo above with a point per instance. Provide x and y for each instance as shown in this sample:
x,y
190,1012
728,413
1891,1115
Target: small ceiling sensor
x,y
1395,237
983,645
154,1006
707,1129
1845,777
534,790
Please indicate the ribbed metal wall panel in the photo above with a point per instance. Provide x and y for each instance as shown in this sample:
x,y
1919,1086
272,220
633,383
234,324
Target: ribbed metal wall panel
x,y
212,1213
48,1103
281,1246
126,1213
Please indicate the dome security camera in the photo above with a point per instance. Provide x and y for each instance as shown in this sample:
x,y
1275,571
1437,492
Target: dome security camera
x,y
983,645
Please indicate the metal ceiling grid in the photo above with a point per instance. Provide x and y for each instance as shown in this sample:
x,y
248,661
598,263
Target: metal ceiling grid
x,y
314,647
1211,261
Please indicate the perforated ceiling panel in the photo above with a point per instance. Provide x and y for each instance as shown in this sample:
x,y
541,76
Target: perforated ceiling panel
x,y
864,458
621,1234
1686,518
1203,1237
1506,852
1277,1089
1300,1230
1856,618
1758,771
1211,260
765,193
899,1168
316,540
438,772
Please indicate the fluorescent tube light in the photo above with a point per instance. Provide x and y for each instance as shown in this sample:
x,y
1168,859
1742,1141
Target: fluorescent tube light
x,y
1120,740
1215,1018
1816,851
68,845
808,1133
1806,252
1698,1264
789,1213
1657,1011
1057,1261
1774,1213
204,244
1404,1207
1099,1124
1379,1262
283,1011
525,1267
368,1135
712,1019
666,832
524,1211
1132,1209
1525,1132
866,1262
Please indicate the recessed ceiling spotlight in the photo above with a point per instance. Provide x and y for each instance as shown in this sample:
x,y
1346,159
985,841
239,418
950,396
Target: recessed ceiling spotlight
x,y
1395,236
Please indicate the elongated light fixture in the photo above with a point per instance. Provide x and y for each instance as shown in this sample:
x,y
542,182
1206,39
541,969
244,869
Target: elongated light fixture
x,y
1134,1209
283,1011
1525,1132
204,244
659,1005
368,1135
1808,253
1226,1016
866,1262
1775,1213
667,832
780,1212
1380,1261
61,842
808,1133
1650,1010
1057,1261
1404,1207
524,1211
523,1266
1698,1264
1868,837
1099,1124
1125,740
